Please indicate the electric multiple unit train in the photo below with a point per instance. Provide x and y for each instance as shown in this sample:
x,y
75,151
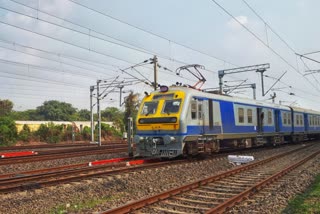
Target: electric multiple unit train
x,y
179,120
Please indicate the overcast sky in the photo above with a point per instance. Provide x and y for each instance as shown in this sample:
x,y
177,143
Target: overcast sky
x,y
57,49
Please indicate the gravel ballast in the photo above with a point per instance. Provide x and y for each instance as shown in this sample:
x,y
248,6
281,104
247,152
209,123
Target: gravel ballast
x,y
100,194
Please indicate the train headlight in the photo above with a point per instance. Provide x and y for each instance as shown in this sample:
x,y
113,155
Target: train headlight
x,y
137,139
169,139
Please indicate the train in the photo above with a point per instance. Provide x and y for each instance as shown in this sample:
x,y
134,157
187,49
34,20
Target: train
x,y
181,121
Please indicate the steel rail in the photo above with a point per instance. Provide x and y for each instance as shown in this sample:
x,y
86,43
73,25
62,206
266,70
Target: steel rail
x,y
46,157
77,174
252,190
49,146
156,198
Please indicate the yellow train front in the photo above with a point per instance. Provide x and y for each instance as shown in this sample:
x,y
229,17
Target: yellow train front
x,y
159,124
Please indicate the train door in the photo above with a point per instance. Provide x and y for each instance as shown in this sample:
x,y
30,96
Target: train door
x,y
306,122
260,118
201,116
277,120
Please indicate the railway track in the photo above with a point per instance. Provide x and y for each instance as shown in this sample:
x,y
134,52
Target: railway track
x,y
48,177
66,153
54,146
62,174
218,193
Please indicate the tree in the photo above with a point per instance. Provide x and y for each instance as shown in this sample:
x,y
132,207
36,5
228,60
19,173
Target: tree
x,y
31,114
56,111
114,115
8,131
25,133
6,107
84,114
131,107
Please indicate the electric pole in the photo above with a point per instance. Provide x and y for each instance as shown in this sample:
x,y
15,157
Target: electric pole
x,y
155,69
99,113
91,112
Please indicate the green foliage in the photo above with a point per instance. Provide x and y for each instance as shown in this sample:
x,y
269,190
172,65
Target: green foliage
x,y
51,133
84,115
31,114
25,134
86,133
8,131
5,107
115,115
131,108
56,111
107,130
307,202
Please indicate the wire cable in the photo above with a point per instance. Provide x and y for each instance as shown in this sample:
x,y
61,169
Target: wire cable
x,y
149,32
259,39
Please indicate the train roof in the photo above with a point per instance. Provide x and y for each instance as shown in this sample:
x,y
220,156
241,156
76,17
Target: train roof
x,y
195,92
309,111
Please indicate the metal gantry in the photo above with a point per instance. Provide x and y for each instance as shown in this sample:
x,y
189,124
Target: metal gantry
x,y
258,68
103,89
232,88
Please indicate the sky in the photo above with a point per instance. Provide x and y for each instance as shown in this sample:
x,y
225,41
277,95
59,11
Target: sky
x,y
57,49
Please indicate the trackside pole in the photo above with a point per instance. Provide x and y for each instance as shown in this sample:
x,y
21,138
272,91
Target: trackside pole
x,y
130,136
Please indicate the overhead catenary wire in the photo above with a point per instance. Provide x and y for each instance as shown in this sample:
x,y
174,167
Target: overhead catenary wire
x,y
36,79
43,68
149,32
283,40
140,49
268,25
60,40
61,55
261,41
53,60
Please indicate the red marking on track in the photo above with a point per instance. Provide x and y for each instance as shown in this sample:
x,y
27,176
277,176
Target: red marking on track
x,y
114,160
18,154
139,162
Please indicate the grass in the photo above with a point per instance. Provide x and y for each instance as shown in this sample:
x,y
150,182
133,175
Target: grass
x,y
81,205
307,202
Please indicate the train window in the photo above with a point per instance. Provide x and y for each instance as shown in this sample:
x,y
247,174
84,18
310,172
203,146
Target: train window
x,y
193,110
269,117
162,96
241,115
285,118
309,118
312,121
289,118
149,108
200,110
297,119
300,118
171,106
249,114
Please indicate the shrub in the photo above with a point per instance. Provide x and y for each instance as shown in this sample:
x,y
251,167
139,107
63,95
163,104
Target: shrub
x,y
51,133
86,133
8,131
25,134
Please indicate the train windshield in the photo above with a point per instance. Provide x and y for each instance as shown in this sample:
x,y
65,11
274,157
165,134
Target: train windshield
x,y
149,108
171,106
